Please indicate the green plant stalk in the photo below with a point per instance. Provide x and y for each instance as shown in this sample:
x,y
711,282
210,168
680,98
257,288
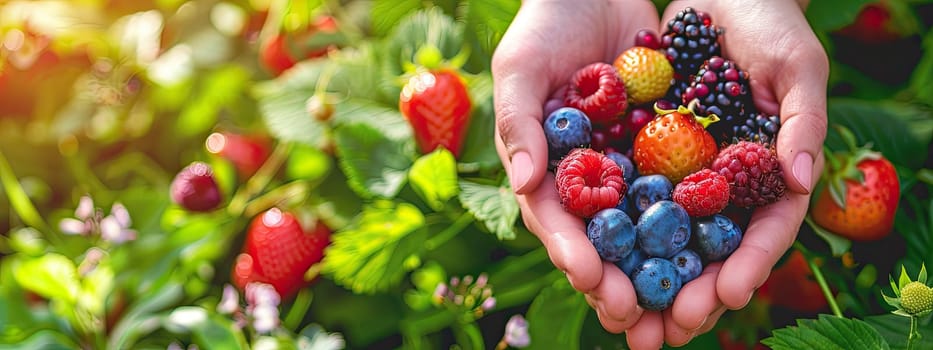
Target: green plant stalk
x,y
914,334
450,232
275,196
820,279
19,200
468,335
298,310
258,181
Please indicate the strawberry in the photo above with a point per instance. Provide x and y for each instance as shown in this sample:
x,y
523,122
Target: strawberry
x,y
674,144
278,251
792,285
274,54
647,74
437,105
873,25
282,50
598,91
589,181
246,152
859,194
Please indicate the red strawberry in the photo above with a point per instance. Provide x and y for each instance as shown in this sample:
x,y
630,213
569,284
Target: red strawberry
x,y
437,104
283,50
589,181
246,152
792,285
859,196
674,144
274,54
753,172
702,193
279,252
598,91
872,25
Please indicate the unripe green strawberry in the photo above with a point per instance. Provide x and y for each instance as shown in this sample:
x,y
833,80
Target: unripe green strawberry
x,y
916,298
647,74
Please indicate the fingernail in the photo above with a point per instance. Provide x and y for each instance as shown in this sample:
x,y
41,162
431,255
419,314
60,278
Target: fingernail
x,y
701,325
521,171
803,170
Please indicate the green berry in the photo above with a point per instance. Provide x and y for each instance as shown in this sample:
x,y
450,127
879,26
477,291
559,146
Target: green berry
x,y
916,298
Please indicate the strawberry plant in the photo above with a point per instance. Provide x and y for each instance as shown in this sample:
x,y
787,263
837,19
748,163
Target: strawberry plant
x,y
321,175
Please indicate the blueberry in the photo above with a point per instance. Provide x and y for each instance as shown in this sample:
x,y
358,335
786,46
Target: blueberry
x,y
656,284
629,173
649,189
612,233
715,237
632,261
565,129
663,229
688,265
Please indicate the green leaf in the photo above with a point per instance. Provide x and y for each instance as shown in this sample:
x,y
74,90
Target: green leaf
x,y
899,131
388,120
921,82
52,276
369,255
220,88
418,29
434,177
386,14
375,164
210,331
282,103
838,245
827,332
904,279
479,149
894,330
488,20
555,317
46,339
495,206
307,164
830,15
19,201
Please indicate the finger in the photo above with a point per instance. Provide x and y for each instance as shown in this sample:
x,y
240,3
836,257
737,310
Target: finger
x,y
615,296
696,300
673,334
648,333
519,94
610,324
770,233
711,321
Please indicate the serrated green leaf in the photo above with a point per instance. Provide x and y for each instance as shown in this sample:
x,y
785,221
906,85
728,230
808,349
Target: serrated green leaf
x,y
52,276
386,14
368,255
894,287
921,82
830,15
423,27
555,318
838,245
434,177
898,130
494,206
283,101
894,329
374,164
488,20
387,120
827,332
478,148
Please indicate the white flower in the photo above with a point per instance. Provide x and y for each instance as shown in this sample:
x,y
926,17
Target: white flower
x,y
230,302
262,305
516,332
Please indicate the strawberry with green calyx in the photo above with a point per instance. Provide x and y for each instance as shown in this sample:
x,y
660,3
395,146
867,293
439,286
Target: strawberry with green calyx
x,y
675,144
858,193
435,101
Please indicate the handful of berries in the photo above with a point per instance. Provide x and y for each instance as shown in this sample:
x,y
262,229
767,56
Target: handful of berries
x,y
663,154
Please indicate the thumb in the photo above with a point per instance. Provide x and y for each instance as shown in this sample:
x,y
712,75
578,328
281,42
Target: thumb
x,y
520,91
803,110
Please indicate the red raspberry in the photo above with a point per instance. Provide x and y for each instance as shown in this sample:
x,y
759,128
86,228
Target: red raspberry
x,y
597,90
753,172
702,193
589,181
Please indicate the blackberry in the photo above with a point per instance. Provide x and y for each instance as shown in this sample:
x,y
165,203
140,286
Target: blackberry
x,y
753,172
758,127
720,87
690,39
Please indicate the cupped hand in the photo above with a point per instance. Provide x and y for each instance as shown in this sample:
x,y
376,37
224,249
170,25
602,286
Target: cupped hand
x,y
789,70
545,44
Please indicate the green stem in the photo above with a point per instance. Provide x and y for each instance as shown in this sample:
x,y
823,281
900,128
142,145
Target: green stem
x,y
468,335
819,279
19,200
258,181
914,334
450,232
298,310
297,189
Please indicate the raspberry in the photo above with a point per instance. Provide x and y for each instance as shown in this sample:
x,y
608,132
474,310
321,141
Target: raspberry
x,y
598,91
721,88
195,189
702,193
916,298
588,181
758,127
753,173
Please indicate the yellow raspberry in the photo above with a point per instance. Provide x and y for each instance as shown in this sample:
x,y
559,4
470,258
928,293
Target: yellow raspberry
x,y
647,74
916,298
